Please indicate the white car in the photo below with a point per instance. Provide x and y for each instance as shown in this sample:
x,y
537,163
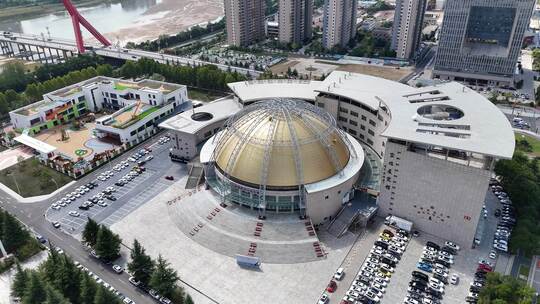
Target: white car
x,y
452,245
57,207
454,280
102,203
339,274
74,213
323,299
492,254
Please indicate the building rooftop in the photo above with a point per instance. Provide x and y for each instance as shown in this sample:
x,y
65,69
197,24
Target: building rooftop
x,y
448,115
250,91
192,121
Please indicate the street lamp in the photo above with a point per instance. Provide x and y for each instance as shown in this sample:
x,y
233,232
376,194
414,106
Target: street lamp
x,y
55,183
16,184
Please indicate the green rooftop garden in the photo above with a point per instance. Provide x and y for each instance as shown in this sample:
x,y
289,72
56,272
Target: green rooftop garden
x,y
136,119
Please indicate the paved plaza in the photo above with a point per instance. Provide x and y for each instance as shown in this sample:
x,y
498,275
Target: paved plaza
x,y
217,276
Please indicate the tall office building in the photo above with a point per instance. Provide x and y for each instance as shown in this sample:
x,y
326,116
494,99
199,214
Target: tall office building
x,y
295,20
481,40
245,21
408,24
339,22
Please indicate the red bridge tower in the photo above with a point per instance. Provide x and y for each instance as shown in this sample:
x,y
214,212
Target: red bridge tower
x,y
77,19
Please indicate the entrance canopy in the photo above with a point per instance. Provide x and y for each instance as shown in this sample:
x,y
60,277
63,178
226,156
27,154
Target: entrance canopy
x,y
35,144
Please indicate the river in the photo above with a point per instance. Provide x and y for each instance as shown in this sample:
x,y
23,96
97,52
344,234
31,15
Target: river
x,y
127,20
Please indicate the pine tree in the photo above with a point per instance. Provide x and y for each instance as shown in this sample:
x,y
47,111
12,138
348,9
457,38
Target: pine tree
x,y
19,282
35,290
88,289
188,300
68,279
164,278
103,296
141,265
107,244
90,232
13,236
53,296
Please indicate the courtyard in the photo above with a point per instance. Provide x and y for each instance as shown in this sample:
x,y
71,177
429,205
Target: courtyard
x,y
75,143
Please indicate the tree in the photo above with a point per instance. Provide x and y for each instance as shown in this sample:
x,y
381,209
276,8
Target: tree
x,y
141,265
35,290
19,282
88,289
103,296
164,278
53,296
12,234
505,289
68,279
188,300
90,232
107,244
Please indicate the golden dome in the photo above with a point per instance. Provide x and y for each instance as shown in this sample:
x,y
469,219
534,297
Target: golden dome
x,y
273,134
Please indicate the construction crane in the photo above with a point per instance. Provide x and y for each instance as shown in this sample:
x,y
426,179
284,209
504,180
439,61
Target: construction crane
x,y
77,20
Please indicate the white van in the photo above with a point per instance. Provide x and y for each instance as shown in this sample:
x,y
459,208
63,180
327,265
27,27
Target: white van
x,y
339,274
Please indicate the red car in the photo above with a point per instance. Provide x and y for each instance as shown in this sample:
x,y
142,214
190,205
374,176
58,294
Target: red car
x,y
485,267
332,286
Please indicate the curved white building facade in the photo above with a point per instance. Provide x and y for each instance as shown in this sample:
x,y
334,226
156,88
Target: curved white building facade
x,y
438,144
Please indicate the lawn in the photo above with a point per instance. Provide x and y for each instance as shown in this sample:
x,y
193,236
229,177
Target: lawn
x,y
528,144
203,96
30,178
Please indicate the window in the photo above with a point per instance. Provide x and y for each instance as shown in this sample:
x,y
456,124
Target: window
x,y
353,132
113,95
341,118
133,132
371,132
81,98
352,122
362,127
364,118
326,197
370,142
343,110
353,113
371,122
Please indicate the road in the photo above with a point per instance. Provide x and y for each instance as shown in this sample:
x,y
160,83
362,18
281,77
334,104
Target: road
x,y
421,65
32,215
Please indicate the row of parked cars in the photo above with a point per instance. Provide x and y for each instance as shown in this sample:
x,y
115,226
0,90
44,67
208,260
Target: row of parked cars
x,y
151,292
73,196
371,281
435,260
479,281
507,218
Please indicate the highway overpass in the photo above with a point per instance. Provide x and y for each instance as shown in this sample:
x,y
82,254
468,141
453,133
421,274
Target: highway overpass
x,y
52,50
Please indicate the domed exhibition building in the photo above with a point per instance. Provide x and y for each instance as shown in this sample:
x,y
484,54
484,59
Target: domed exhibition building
x,y
283,155
313,149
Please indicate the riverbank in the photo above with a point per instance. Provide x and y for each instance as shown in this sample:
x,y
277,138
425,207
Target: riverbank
x,y
169,17
30,11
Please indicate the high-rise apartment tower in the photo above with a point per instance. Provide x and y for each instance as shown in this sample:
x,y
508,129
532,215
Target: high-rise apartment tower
x,y
408,25
339,22
245,21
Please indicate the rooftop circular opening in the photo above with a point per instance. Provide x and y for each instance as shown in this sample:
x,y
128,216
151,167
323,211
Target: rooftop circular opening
x,y
202,116
440,112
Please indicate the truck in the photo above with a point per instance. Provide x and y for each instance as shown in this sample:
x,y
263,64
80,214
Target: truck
x,y
248,261
399,223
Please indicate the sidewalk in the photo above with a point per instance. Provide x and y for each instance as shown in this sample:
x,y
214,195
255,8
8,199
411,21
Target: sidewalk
x,y
534,274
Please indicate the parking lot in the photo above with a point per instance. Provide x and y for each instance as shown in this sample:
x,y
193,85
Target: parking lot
x,y
128,197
